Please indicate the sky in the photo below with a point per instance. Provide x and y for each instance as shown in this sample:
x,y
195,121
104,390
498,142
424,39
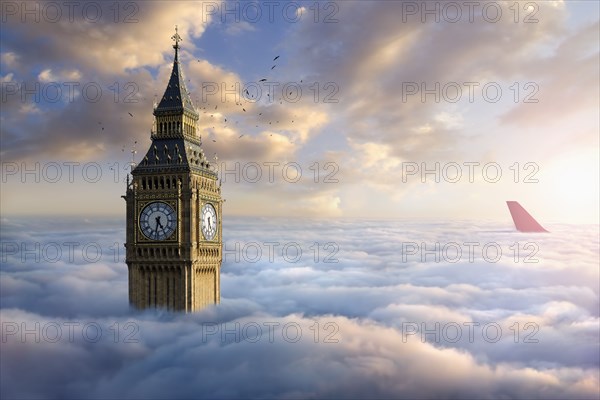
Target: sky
x,y
378,109
368,251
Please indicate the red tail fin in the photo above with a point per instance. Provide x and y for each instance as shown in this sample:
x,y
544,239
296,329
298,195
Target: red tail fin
x,y
523,221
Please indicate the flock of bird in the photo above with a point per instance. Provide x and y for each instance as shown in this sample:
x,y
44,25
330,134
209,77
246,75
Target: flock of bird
x,y
242,104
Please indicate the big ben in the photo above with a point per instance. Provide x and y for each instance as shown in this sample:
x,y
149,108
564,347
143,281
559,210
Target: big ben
x,y
173,229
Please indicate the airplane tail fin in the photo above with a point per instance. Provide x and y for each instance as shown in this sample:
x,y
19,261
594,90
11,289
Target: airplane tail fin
x,y
524,222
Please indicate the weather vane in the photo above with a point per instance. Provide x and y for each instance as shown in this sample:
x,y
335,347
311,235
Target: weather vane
x,y
176,38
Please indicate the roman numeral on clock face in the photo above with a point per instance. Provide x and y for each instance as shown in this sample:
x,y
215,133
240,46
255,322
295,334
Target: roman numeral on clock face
x,y
158,221
208,221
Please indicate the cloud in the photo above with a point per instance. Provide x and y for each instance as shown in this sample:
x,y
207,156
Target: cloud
x,y
372,303
239,28
372,361
48,76
352,73
82,126
9,59
111,41
108,71
398,49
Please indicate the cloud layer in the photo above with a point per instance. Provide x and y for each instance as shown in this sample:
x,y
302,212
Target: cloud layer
x,y
300,326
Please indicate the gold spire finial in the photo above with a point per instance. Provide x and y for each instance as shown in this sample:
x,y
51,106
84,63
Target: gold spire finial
x,y
176,38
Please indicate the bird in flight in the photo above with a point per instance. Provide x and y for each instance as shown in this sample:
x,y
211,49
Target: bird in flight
x,y
130,114
275,58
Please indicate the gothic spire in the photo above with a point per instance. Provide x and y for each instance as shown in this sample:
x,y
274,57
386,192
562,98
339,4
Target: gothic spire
x,y
176,99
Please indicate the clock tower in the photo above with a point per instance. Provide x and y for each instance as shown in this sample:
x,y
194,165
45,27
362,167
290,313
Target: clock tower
x,y
174,237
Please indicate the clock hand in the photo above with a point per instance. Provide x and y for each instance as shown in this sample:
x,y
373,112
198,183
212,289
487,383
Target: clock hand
x,y
157,219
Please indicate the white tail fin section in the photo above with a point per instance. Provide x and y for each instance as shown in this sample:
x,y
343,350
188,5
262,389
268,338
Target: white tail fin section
x,y
524,222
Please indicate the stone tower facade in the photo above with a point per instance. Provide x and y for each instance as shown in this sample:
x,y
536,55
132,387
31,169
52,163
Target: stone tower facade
x,y
174,237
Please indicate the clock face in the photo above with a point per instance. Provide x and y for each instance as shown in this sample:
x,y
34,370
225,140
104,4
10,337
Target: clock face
x,y
158,221
209,221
